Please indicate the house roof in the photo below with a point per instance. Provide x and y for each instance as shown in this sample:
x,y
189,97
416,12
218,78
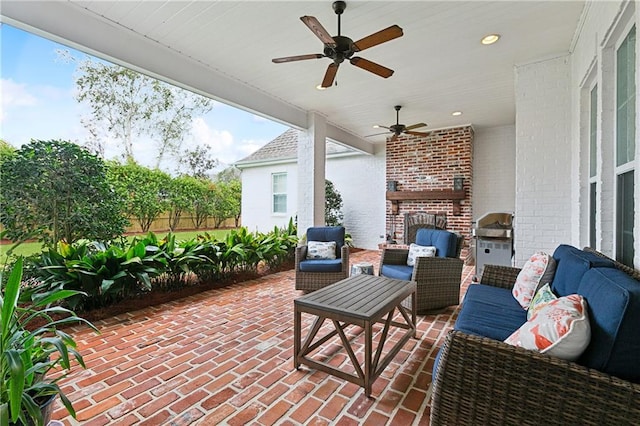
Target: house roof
x,y
285,147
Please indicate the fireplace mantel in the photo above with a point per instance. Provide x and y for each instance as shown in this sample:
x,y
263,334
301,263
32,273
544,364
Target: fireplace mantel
x,y
428,194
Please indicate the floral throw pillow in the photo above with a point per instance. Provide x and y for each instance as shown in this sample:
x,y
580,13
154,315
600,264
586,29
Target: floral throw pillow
x,y
538,270
321,250
560,328
416,250
542,297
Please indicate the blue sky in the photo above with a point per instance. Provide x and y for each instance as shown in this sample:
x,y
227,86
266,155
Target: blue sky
x,y
37,92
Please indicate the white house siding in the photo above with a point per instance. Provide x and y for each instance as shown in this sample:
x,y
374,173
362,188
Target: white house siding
x,y
543,157
552,137
360,181
494,170
257,211
358,178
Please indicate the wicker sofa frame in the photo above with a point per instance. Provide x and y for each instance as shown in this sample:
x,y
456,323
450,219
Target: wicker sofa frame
x,y
484,381
437,278
311,281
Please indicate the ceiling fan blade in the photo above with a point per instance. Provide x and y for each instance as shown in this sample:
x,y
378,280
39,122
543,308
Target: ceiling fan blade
x,y
297,58
377,134
330,75
416,126
371,67
381,36
394,138
416,133
382,127
317,28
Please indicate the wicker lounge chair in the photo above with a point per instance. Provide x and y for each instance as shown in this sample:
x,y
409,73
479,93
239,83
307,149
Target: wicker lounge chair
x,y
438,278
312,274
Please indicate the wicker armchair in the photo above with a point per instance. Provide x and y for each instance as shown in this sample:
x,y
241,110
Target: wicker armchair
x,y
314,274
484,381
437,278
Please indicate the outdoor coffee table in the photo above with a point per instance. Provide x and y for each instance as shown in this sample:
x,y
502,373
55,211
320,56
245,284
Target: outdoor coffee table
x,y
360,300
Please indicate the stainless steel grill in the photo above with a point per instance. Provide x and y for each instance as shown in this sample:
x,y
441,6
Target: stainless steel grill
x,y
493,234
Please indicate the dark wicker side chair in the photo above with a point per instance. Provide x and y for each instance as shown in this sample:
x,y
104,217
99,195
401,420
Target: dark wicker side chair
x,y
313,274
438,278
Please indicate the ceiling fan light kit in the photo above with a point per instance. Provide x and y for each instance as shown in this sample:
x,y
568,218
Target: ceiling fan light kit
x,y
340,48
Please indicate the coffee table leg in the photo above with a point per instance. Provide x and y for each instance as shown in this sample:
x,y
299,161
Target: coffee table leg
x,y
414,308
297,319
368,348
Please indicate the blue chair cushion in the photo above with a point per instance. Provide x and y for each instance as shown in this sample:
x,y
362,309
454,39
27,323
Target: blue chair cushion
x,y
613,302
398,272
328,233
490,312
445,242
321,265
571,264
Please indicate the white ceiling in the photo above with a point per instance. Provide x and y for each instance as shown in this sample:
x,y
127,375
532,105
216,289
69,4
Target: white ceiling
x,y
224,49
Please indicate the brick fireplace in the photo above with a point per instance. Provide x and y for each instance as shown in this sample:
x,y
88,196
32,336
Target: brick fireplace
x,y
423,169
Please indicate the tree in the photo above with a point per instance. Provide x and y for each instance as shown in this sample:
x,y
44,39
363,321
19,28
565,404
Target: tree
x,y
229,178
146,191
6,150
184,192
199,161
202,208
332,205
56,190
124,103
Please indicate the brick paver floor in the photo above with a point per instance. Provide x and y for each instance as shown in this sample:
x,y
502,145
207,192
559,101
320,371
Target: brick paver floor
x,y
225,356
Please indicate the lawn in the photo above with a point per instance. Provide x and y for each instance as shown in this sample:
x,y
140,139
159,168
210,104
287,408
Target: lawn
x,y
27,249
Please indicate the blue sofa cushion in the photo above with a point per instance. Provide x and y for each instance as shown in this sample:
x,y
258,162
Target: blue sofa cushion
x,y
571,264
613,301
398,272
445,242
490,312
321,265
328,233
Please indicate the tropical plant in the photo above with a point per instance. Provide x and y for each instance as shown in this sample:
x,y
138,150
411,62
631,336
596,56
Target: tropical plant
x,y
56,190
102,273
30,353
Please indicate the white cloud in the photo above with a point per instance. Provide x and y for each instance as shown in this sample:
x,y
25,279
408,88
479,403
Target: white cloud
x,y
14,95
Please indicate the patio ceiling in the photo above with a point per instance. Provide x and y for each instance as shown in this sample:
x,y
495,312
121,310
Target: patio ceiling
x,y
224,49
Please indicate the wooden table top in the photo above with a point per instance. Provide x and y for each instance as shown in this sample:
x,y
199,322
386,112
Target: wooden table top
x,y
360,296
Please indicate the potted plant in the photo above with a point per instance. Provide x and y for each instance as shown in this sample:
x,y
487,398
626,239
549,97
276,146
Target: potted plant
x,y
31,346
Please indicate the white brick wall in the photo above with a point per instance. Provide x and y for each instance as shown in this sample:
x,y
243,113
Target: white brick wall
x,y
361,182
543,157
494,170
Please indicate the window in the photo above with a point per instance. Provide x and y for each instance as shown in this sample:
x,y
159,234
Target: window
x,y
279,191
625,146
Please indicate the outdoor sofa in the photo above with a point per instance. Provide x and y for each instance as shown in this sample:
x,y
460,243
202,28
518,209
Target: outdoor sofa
x,y
479,379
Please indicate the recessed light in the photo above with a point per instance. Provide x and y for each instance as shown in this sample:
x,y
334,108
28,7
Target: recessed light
x,y
456,113
319,87
375,126
490,39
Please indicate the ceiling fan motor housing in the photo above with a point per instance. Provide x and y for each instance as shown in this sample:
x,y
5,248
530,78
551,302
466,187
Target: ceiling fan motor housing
x,y
343,50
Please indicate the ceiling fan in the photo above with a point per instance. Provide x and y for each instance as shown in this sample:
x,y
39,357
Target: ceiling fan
x,y
339,48
398,129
